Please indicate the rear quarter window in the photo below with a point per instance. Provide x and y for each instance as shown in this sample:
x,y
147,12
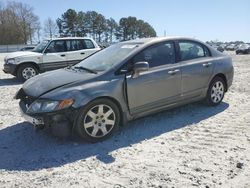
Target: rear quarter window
x,y
88,44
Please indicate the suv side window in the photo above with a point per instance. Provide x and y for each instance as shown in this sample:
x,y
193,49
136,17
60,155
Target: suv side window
x,y
157,55
56,46
192,50
88,44
74,45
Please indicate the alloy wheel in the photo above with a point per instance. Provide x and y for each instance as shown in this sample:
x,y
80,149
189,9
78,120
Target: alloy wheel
x,y
217,92
99,121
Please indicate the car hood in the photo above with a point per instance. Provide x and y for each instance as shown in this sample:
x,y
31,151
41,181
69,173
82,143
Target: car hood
x,y
49,81
21,54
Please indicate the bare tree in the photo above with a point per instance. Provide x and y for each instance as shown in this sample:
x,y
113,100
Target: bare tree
x,y
38,32
18,23
27,20
50,28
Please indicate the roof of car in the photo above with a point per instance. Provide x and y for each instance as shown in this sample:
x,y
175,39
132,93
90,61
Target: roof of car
x,y
63,38
158,39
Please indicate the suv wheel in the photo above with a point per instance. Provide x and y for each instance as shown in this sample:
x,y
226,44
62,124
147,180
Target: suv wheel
x,y
98,120
26,71
216,91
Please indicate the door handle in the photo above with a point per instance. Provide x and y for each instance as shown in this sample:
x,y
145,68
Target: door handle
x,y
63,55
172,72
206,64
82,53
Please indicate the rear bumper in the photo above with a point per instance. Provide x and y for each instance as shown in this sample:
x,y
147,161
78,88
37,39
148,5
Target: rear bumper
x,y
9,68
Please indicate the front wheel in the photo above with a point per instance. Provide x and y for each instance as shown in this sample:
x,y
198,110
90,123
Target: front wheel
x,y
26,71
216,91
98,120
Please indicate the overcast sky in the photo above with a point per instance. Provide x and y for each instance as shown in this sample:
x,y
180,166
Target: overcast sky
x,y
224,20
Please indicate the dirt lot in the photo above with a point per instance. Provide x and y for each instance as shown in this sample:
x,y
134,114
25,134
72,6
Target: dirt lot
x,y
191,146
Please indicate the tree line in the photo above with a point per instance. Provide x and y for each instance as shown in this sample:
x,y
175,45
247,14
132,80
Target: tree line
x,y
19,25
95,25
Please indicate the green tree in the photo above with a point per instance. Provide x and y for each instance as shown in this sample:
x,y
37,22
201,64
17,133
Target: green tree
x,y
131,28
132,24
95,25
112,26
143,30
68,23
83,29
101,26
122,30
91,23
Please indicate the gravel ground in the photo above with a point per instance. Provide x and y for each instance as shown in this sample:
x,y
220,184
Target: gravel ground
x,y
190,146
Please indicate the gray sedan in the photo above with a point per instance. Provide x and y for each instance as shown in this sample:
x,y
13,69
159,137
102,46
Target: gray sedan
x,y
123,82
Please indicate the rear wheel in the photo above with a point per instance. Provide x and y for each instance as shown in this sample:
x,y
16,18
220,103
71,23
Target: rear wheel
x,y
216,91
98,120
26,71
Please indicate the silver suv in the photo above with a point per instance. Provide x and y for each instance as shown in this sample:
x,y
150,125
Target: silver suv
x,y
49,55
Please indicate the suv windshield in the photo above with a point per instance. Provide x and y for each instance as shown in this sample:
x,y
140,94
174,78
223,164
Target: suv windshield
x,y
40,47
108,57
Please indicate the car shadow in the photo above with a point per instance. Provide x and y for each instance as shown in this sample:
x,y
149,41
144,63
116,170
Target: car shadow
x,y
23,148
10,81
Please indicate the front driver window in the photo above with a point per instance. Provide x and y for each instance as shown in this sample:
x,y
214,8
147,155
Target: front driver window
x,y
56,46
157,55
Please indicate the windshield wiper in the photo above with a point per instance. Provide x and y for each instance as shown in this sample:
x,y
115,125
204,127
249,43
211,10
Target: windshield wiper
x,y
86,69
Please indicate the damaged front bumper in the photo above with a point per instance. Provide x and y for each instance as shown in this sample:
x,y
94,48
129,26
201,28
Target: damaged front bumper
x,y
35,120
60,122
48,118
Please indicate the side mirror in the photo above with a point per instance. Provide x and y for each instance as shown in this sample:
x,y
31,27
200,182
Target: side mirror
x,y
139,67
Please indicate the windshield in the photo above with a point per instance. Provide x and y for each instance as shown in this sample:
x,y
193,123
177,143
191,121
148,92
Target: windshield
x,y
40,47
108,57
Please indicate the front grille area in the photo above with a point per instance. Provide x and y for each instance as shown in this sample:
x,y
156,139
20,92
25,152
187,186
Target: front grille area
x,y
24,97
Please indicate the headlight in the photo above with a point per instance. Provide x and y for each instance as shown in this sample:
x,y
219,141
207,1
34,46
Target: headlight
x,y
10,61
40,106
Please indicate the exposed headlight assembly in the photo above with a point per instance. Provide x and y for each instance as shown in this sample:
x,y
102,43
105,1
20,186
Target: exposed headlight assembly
x,y
40,106
10,61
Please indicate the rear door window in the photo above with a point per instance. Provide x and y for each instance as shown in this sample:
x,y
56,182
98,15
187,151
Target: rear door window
x,y
74,45
192,50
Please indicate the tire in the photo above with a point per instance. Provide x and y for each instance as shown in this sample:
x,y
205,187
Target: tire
x,y
98,120
216,91
26,71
